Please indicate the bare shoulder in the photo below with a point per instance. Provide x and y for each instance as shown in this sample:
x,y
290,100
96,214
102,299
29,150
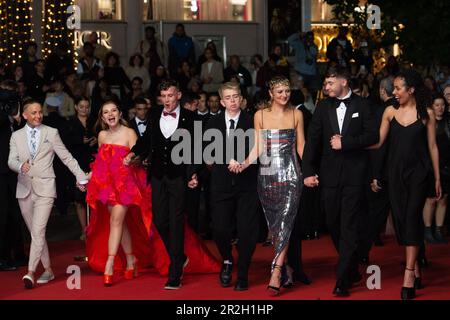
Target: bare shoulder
x,y
389,112
131,133
101,136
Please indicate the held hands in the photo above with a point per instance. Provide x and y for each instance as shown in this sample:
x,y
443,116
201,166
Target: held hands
x,y
26,167
312,181
194,181
236,167
81,187
375,186
335,142
128,159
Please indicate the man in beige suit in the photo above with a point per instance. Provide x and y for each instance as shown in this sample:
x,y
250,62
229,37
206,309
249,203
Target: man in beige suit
x,y
32,150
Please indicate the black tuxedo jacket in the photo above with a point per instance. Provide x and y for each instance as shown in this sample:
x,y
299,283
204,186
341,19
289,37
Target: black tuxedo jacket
x,y
349,166
134,126
222,180
157,149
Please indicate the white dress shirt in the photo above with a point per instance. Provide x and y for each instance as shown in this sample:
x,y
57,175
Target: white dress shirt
x,y
228,123
141,125
38,136
341,110
168,123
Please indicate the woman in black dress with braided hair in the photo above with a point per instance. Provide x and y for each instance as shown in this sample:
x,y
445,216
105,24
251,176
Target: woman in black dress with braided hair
x,y
413,158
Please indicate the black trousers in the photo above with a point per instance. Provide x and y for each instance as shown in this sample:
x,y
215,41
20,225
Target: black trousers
x,y
378,206
11,221
343,206
236,210
294,253
168,205
193,200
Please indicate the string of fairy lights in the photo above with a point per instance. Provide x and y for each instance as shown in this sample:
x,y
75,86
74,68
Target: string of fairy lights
x,y
55,31
15,28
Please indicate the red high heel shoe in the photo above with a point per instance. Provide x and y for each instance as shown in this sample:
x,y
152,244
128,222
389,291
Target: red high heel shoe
x,y
129,274
108,279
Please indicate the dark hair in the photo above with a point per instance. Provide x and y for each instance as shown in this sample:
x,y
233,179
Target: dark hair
x,y
140,100
150,28
167,83
39,60
27,102
338,72
179,25
212,94
138,79
141,60
421,93
112,54
436,96
81,98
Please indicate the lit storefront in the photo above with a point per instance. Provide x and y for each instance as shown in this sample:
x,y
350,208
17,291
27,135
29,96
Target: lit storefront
x,y
238,25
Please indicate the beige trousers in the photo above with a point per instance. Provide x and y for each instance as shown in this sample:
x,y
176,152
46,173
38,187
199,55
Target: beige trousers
x,y
36,211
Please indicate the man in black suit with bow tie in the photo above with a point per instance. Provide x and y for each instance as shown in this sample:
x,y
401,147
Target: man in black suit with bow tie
x,y
335,154
139,123
168,178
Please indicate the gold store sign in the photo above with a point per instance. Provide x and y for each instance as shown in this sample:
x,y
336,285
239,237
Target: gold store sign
x,y
103,36
322,37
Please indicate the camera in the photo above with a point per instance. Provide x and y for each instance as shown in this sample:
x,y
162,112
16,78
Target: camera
x,y
9,102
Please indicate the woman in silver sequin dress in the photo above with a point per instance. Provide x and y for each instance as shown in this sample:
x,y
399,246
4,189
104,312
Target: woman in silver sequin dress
x,y
279,143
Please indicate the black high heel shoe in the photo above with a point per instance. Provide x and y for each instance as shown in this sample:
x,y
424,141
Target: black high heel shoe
x,y
276,290
408,293
418,280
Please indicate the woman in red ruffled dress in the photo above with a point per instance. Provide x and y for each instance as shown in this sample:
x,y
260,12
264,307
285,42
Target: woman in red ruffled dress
x,y
120,235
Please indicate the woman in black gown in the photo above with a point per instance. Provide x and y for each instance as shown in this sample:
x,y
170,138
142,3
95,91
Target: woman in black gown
x,y
82,143
413,158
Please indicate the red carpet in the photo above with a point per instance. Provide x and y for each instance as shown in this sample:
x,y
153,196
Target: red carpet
x,y
319,260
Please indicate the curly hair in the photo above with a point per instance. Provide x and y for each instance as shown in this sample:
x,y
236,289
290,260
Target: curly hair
x,y
421,93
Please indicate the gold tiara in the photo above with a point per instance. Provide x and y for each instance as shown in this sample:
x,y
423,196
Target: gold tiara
x,y
278,81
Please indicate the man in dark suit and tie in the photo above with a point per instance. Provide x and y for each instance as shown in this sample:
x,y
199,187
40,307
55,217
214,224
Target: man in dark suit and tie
x,y
234,199
341,129
168,179
139,123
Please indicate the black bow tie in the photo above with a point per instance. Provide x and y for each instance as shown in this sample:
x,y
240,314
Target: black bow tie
x,y
345,101
141,122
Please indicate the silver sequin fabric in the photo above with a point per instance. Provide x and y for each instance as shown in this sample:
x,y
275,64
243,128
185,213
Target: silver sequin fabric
x,y
279,184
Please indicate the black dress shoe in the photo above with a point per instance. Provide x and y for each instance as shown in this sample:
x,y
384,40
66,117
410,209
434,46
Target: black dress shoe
x,y
173,284
241,285
7,267
340,291
225,274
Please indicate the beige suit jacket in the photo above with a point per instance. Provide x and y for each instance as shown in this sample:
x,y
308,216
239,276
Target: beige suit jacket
x,y
41,177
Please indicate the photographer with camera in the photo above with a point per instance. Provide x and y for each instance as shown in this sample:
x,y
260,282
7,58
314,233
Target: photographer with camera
x,y
11,243
305,58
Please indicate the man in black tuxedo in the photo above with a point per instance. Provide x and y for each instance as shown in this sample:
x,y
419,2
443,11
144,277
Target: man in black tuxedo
x,y
341,128
234,200
11,242
139,123
168,179
378,197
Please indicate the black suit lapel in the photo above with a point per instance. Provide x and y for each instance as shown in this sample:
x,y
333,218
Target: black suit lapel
x,y
333,117
348,116
182,122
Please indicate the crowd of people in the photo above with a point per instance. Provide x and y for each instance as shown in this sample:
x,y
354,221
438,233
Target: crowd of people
x,y
346,148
